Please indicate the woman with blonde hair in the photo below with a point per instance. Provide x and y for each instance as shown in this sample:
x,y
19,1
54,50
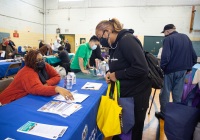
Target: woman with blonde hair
x,y
127,64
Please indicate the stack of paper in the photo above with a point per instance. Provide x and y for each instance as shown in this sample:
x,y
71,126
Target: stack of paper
x,y
78,98
92,86
43,130
61,108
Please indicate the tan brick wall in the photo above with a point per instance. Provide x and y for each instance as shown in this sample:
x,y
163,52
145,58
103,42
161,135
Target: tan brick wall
x,y
25,38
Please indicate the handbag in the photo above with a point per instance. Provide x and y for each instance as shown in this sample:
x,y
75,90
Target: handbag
x,y
127,116
108,120
193,97
180,121
188,86
61,71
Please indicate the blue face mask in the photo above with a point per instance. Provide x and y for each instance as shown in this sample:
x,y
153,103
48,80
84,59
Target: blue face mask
x,y
94,47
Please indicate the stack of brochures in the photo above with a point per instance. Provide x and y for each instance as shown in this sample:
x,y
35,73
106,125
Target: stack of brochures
x,y
78,98
61,108
43,130
92,86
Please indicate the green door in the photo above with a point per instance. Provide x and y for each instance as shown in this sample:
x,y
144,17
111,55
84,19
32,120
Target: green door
x,y
152,44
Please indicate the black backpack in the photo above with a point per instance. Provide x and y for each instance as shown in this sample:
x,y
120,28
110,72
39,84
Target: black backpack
x,y
155,72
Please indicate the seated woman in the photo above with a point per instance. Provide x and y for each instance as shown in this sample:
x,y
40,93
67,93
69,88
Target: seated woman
x,y
64,57
37,78
46,50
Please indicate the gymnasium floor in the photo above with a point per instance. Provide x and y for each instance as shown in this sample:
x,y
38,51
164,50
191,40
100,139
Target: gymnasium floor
x,y
152,129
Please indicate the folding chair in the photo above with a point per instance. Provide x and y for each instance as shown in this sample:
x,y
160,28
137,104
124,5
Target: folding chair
x,y
4,83
152,101
11,67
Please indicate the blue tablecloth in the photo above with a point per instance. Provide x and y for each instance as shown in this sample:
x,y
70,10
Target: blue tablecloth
x,y
3,68
17,113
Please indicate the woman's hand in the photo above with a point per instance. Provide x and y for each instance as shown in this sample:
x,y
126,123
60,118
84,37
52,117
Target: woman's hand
x,y
107,77
112,77
65,93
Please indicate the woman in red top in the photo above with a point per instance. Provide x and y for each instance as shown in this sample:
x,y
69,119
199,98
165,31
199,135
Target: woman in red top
x,y
37,77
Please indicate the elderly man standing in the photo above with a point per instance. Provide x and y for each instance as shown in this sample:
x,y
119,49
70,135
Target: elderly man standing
x,y
68,46
178,57
56,45
5,48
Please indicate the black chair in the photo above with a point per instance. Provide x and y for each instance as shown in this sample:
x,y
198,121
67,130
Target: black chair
x,y
152,101
11,67
4,83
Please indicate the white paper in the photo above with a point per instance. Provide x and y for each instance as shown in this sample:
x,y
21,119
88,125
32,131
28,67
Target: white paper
x,y
3,53
9,138
78,98
70,110
43,130
61,108
92,86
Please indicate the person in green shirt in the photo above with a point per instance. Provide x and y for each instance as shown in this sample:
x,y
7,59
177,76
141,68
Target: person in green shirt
x,y
82,56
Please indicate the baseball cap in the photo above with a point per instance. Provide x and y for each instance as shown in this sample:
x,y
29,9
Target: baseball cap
x,y
168,26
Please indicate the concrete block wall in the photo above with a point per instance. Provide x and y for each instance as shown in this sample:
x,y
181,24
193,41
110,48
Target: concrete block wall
x,y
145,17
25,16
144,20
81,18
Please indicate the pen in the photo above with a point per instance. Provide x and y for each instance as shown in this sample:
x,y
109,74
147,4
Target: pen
x,y
89,87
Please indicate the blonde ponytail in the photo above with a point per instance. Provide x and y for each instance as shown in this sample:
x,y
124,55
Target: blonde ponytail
x,y
117,26
112,24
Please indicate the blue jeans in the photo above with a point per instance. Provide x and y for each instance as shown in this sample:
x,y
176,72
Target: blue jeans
x,y
173,82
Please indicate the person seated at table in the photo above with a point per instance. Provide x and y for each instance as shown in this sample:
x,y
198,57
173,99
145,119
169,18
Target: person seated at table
x,y
13,46
37,78
64,57
46,50
4,47
96,54
83,54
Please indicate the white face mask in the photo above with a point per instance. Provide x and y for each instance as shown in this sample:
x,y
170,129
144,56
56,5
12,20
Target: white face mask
x,y
94,47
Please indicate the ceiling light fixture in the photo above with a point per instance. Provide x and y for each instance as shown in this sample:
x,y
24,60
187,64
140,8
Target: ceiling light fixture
x,y
69,0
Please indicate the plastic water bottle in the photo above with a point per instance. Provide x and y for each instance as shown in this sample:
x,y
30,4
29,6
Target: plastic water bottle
x,y
69,81
73,76
65,82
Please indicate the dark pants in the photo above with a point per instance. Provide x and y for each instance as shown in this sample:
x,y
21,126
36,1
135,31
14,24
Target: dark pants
x,y
139,124
75,70
66,66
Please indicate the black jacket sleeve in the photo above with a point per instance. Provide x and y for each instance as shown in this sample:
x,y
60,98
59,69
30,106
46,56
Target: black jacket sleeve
x,y
134,55
98,53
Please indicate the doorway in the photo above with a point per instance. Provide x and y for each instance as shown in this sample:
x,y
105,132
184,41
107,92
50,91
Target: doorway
x,y
71,40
